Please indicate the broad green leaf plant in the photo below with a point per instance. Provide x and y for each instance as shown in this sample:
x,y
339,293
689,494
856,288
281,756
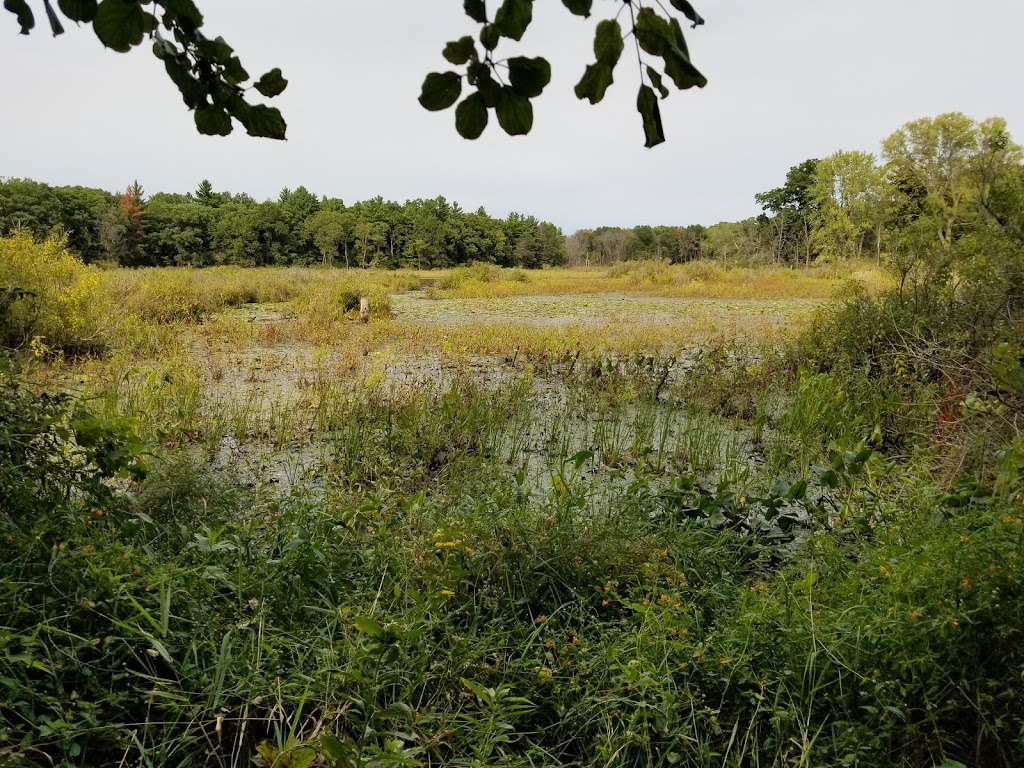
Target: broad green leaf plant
x,y
215,86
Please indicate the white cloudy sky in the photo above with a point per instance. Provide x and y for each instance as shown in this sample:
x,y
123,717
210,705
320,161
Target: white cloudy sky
x,y
789,79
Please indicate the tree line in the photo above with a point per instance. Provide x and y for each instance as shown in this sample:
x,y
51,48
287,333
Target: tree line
x,y
940,184
207,227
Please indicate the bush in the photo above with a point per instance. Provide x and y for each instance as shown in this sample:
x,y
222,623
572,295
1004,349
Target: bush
x,y
50,300
477,272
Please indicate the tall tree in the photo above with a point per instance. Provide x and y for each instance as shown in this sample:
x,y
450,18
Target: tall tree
x,y
179,233
850,198
938,154
122,231
204,194
331,231
792,207
29,205
297,206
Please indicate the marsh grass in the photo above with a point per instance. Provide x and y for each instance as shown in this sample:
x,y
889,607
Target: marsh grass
x,y
466,544
418,587
653,278
167,294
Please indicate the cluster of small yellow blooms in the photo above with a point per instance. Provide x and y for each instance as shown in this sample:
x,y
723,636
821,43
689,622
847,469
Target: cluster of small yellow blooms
x,y
447,544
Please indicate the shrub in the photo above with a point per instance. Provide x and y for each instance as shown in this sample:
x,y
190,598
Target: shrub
x,y
477,272
50,300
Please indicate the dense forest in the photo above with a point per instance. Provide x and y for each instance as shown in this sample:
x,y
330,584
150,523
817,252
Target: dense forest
x,y
207,227
936,181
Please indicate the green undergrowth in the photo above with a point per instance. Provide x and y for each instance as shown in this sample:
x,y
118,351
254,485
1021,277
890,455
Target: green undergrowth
x,y
417,601
578,554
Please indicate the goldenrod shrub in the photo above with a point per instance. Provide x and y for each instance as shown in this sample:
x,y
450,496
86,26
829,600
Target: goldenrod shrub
x,y
49,300
477,272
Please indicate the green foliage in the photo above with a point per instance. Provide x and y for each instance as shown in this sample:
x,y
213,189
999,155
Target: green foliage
x,y
422,605
45,210
816,562
647,105
207,72
658,35
212,80
220,228
50,302
850,195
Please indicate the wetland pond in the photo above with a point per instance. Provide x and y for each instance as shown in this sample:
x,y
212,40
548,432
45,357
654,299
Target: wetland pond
x,y
280,410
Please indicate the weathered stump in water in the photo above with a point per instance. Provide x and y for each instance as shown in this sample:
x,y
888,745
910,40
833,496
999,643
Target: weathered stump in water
x,y
364,309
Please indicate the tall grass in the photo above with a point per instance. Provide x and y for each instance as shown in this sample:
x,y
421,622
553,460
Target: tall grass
x,y
657,278
416,601
476,544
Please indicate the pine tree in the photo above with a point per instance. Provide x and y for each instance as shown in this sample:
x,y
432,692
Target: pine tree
x,y
205,194
134,210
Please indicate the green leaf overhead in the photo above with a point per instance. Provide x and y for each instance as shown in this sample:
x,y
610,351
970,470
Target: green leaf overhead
x,y
51,15
682,72
476,10
440,90
192,91
608,43
678,37
490,36
185,13
647,106
684,7
207,71
514,112
653,32
579,7
263,121
529,76
235,73
655,77
594,83
78,10
216,50
460,51
471,116
271,84
122,24
513,17
24,14
212,121
488,87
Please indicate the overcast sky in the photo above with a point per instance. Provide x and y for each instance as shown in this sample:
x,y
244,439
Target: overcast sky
x,y
788,80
